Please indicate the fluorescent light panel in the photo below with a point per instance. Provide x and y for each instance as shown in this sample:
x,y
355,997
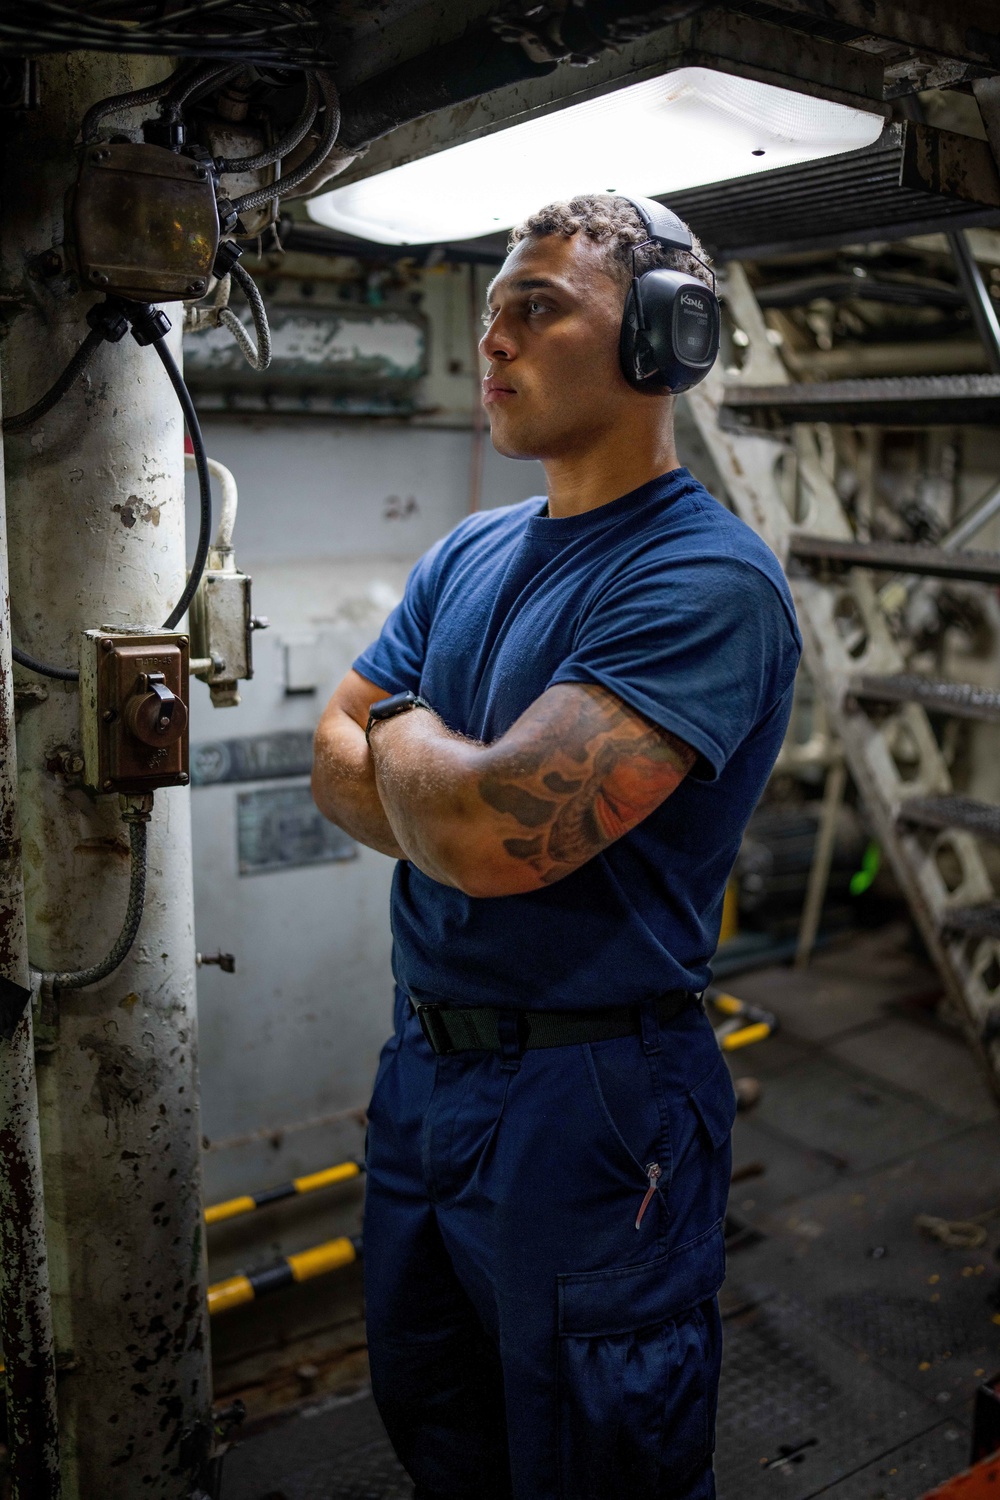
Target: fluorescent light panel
x,y
686,128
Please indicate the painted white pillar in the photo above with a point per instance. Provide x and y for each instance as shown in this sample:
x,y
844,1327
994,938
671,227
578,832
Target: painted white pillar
x,y
96,538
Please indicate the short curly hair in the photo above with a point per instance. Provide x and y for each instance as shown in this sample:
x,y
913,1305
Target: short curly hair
x,y
612,222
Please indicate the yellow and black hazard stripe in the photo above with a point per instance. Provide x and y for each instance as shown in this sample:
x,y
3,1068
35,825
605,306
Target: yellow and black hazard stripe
x,y
330,1256
744,1023
233,1207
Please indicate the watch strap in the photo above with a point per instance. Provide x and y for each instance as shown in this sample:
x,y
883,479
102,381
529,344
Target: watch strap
x,y
388,708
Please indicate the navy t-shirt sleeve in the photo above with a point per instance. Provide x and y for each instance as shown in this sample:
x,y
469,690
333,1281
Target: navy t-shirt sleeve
x,y
704,649
395,661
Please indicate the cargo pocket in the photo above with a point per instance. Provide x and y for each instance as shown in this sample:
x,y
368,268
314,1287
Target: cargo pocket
x,y
639,1356
714,1100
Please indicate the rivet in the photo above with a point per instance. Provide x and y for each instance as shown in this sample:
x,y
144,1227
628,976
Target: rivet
x,y
107,645
108,785
109,716
196,286
101,156
183,779
99,277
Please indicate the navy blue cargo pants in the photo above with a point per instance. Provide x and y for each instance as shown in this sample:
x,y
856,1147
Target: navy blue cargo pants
x,y
528,1341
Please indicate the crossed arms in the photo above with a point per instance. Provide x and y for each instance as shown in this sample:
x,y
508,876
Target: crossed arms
x,y
576,771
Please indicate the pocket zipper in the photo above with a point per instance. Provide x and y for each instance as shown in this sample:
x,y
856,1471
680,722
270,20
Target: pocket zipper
x,y
654,1173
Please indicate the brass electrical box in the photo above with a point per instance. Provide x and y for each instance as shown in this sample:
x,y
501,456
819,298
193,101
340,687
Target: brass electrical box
x,y
134,703
146,222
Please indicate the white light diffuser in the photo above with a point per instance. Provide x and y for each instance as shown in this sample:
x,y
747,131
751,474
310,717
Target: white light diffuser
x,y
681,130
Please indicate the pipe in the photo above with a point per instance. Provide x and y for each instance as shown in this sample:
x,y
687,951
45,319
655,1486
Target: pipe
x,y
984,313
25,1305
317,1261
819,873
965,529
234,1208
227,511
118,1095
894,594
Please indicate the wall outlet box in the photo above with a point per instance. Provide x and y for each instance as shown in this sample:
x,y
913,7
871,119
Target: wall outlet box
x,y
134,710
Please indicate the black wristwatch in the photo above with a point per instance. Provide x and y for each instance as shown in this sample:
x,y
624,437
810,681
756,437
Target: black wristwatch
x,y
388,708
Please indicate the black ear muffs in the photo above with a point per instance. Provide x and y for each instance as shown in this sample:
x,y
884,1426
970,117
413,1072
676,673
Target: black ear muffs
x,y
670,326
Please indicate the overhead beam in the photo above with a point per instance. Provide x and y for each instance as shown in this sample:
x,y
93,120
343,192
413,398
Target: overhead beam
x,y
966,31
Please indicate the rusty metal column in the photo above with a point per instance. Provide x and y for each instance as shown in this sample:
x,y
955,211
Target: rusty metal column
x,y
25,1308
96,537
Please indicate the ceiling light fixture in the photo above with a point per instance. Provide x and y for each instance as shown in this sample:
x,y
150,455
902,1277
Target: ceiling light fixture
x,y
686,128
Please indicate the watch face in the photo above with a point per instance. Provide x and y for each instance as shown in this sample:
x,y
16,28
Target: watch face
x,y
394,705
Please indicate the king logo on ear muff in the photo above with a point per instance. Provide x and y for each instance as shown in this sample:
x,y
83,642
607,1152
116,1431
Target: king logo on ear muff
x,y
670,325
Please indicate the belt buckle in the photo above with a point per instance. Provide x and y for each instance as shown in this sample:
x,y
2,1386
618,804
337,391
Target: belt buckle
x,y
434,1030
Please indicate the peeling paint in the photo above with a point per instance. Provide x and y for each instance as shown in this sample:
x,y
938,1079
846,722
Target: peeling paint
x,y
134,509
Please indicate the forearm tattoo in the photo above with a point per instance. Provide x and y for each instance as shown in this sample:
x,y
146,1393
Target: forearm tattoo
x,y
577,771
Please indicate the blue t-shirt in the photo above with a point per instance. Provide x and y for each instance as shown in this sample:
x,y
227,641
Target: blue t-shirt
x,y
668,600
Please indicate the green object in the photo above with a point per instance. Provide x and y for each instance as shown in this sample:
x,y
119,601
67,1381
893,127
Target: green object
x,y
870,861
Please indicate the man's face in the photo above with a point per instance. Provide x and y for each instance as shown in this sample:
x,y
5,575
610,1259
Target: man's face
x,y
554,384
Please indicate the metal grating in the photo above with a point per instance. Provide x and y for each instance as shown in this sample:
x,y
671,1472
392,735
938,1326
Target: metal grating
x,y
910,1470
799,1410
980,818
933,562
895,401
909,1330
973,921
962,700
853,198
335,1450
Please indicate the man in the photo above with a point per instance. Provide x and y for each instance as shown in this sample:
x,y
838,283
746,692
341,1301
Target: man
x,y
604,681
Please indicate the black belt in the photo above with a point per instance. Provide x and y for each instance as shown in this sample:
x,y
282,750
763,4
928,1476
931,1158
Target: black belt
x,y
477,1028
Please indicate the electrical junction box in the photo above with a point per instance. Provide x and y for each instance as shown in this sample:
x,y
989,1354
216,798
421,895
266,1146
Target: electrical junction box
x,y
145,221
134,709
222,629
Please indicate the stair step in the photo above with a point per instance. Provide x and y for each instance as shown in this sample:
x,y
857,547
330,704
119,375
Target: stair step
x,y
982,818
973,921
896,557
962,700
898,401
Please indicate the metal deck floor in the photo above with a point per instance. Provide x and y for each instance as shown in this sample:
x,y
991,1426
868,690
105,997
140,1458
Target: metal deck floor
x,y
853,1343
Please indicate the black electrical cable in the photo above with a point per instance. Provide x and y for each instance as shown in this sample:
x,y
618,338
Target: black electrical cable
x,y
280,189
204,482
288,142
81,359
70,674
61,674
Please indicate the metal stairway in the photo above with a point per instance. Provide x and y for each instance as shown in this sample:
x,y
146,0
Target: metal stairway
x,y
876,706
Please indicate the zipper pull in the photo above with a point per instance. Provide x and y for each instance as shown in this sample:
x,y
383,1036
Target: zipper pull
x,y
654,1173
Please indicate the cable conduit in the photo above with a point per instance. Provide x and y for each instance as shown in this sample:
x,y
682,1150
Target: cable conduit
x,y
260,357
284,186
296,134
77,979
95,114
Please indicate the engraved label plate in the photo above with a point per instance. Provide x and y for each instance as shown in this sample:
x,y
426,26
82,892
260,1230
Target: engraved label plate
x,y
281,828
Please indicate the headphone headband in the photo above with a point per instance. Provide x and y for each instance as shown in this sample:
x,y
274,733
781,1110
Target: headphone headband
x,y
661,223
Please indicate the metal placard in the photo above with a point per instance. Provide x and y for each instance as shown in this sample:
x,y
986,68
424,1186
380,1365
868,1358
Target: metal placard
x,y
258,757
281,828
